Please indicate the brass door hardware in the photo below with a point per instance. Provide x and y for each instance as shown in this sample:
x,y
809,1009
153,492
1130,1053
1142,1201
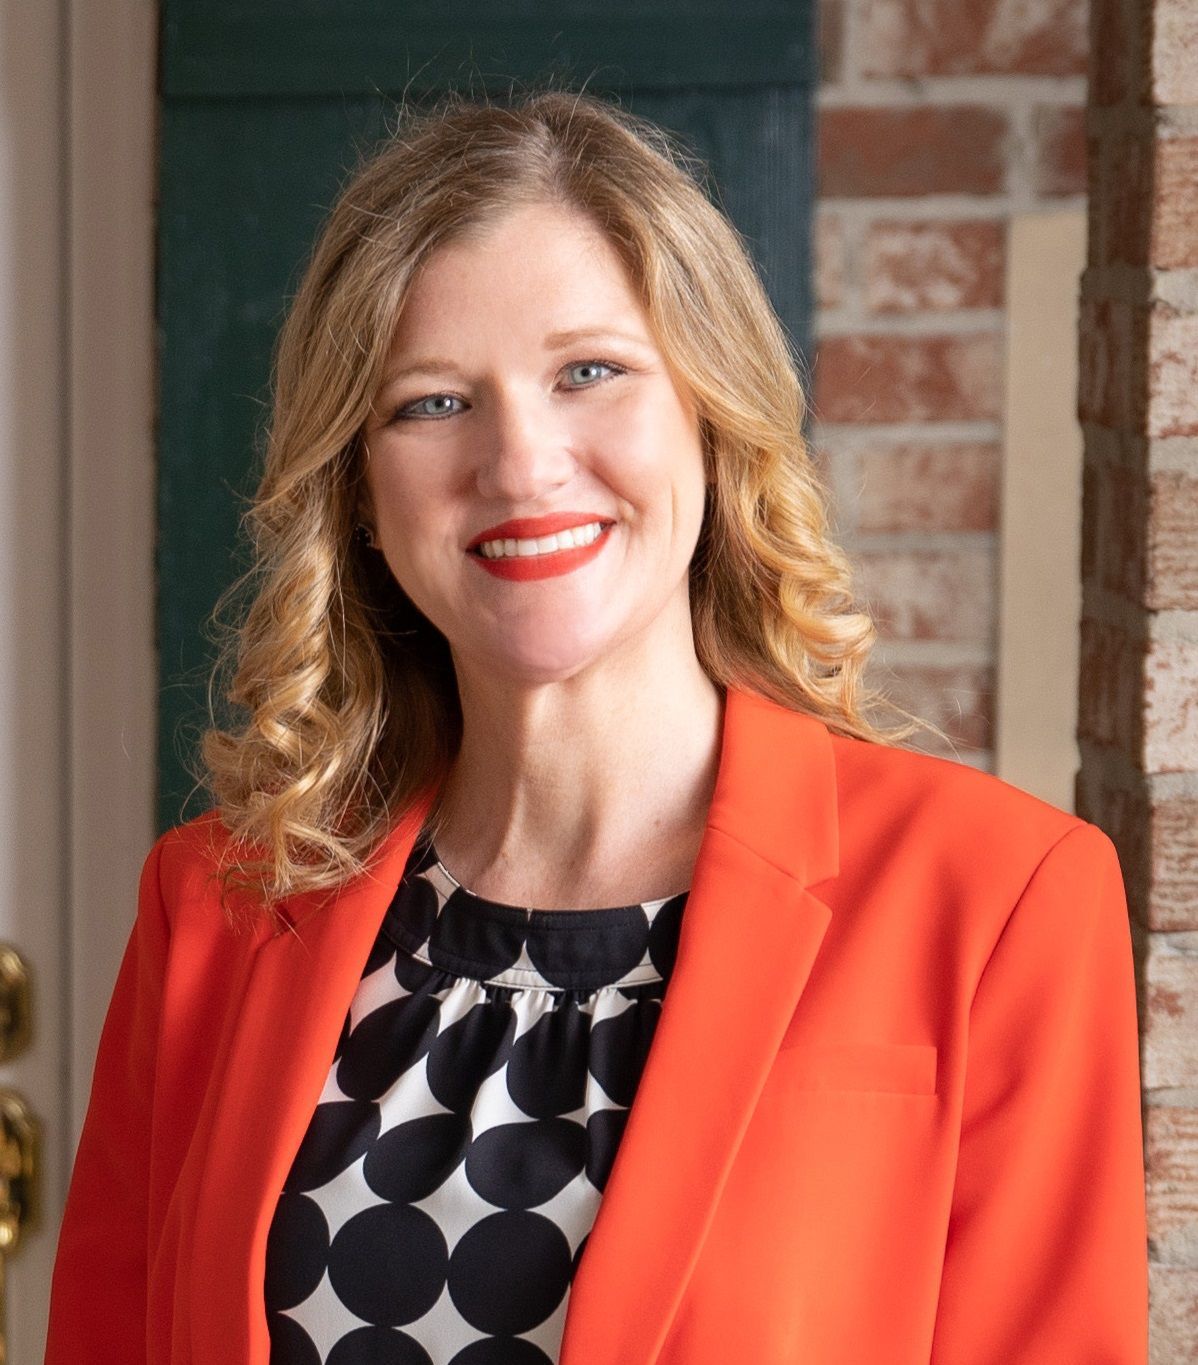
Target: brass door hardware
x,y
20,1131
20,1167
16,1015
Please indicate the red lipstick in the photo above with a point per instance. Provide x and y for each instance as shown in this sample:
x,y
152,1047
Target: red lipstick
x,y
530,528
525,567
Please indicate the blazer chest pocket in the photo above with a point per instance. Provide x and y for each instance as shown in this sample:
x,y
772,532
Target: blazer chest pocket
x,y
901,1068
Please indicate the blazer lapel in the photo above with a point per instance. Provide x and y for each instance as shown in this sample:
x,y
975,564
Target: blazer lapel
x,y
750,933
273,1070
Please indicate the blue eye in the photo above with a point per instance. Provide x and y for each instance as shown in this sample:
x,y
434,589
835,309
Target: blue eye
x,y
593,365
412,411
412,408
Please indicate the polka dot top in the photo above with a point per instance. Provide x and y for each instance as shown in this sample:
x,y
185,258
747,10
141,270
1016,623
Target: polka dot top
x,y
441,1198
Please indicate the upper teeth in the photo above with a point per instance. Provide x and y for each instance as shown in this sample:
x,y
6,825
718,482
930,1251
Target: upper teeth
x,y
563,540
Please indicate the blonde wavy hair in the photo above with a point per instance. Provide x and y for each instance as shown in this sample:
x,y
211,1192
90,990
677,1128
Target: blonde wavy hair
x,y
347,695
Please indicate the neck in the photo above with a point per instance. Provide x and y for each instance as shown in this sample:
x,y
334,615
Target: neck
x,y
575,776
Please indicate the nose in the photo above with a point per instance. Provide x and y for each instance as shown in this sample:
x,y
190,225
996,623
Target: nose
x,y
524,450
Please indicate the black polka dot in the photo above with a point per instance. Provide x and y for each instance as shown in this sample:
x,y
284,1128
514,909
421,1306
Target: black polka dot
x,y
620,1047
492,941
338,1133
664,933
413,976
420,905
386,1043
297,1246
501,1351
289,1343
469,1051
521,1165
380,955
388,1263
605,1129
547,1073
561,956
378,1346
345,1025
509,1272
413,1159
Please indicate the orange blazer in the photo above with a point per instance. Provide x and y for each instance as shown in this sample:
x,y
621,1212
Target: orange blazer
x,y
890,1114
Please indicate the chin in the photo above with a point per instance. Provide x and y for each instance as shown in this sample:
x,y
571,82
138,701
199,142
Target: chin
x,y
541,671
550,665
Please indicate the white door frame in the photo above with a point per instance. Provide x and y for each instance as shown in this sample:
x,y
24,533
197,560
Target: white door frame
x,y
76,568
111,73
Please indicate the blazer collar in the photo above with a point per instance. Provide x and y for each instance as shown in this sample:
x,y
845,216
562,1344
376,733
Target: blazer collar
x,y
750,934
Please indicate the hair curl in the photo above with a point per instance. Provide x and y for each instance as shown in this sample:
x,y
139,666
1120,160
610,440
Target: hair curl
x,y
349,705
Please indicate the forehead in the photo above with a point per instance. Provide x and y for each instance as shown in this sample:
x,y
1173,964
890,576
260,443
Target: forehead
x,y
544,265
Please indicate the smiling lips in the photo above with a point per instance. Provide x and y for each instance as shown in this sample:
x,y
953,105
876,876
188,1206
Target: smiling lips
x,y
518,556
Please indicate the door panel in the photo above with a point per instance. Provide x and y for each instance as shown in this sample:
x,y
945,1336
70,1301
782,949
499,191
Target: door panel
x,y
264,110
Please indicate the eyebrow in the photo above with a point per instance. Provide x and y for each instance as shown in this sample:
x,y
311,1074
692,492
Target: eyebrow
x,y
553,341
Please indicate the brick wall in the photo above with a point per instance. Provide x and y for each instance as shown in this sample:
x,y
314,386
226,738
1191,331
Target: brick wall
x,y
938,120
1139,684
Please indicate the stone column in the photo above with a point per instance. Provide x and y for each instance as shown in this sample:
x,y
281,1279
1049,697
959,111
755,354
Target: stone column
x,y
1138,723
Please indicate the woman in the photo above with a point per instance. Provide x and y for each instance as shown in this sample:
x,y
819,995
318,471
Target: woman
x,y
553,784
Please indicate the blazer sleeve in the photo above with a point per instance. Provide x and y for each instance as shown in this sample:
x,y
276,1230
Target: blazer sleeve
x,y
98,1310
1046,1260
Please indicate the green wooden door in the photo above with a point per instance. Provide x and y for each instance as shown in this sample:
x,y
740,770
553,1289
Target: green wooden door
x,y
264,108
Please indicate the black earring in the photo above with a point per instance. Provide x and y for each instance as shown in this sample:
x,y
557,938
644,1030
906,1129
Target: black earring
x,y
365,535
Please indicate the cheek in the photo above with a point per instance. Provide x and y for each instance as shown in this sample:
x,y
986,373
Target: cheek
x,y
653,454
403,492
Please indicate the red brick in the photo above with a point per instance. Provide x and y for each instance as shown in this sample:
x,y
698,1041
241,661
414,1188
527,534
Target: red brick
x,y
931,150
1170,702
1119,166
959,698
1133,158
829,260
1105,346
1093,520
1171,1170
1172,533
949,37
1173,865
1109,51
1174,55
876,378
928,487
1171,394
930,594
1099,220
1060,135
1173,1291
1175,199
1114,500
913,266
1119,170
1170,1028
1110,681
831,40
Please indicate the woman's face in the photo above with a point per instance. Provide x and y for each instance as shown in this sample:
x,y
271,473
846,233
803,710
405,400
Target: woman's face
x,y
524,382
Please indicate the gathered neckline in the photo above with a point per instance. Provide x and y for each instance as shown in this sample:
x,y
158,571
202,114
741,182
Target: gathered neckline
x,y
445,925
